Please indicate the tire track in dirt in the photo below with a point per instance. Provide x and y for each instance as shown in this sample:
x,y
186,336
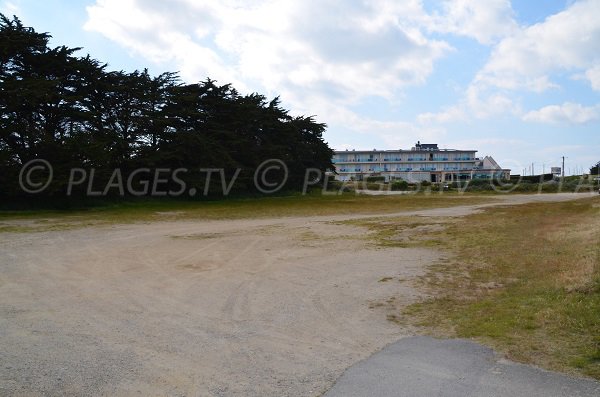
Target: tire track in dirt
x,y
265,307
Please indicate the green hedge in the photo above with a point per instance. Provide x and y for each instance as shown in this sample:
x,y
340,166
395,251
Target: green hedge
x,y
372,179
399,185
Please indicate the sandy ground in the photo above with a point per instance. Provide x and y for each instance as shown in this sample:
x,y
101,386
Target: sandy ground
x,y
257,307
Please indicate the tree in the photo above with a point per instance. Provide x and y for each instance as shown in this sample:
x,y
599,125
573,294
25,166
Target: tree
x,y
595,169
72,112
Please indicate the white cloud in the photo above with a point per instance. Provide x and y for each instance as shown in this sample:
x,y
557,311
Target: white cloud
x,y
324,57
10,8
394,134
446,115
485,21
568,112
525,60
569,40
320,56
483,104
593,75
151,32
285,47
477,102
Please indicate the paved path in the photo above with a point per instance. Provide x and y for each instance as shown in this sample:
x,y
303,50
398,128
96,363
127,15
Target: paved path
x,y
423,366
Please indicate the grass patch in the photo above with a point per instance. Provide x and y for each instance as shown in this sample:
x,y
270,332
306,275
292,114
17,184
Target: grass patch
x,y
265,207
402,231
524,280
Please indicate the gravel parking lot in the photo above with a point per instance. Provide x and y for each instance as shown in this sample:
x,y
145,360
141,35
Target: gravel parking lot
x,y
257,307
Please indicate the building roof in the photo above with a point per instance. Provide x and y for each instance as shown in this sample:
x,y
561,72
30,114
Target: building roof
x,y
419,147
400,151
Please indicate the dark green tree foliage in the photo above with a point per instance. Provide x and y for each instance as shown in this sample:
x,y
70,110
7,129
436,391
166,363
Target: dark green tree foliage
x,y
595,169
72,112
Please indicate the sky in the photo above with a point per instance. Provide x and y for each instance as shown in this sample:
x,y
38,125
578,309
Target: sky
x,y
518,80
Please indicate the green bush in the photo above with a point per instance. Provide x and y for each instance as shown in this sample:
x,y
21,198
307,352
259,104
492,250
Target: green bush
x,y
480,182
550,187
334,185
526,187
399,185
339,186
371,179
458,184
371,186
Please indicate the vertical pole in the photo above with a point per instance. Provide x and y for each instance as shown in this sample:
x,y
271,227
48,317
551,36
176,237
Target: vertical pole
x,y
563,167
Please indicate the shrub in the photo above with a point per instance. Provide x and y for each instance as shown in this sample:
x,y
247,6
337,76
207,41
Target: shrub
x,y
526,187
334,185
480,182
399,185
550,187
371,179
371,186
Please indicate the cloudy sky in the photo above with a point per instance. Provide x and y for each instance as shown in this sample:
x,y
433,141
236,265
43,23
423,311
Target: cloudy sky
x,y
518,80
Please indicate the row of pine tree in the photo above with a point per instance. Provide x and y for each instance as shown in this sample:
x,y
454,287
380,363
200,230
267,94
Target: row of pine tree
x,y
74,113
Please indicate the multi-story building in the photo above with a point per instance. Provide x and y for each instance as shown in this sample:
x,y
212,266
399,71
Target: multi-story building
x,y
424,162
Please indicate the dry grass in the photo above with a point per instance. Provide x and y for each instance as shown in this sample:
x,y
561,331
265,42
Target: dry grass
x,y
403,231
524,280
267,207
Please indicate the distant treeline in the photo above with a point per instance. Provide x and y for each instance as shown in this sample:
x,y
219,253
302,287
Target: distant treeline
x,y
72,112
533,178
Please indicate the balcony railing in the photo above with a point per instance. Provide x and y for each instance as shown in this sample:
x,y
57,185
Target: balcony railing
x,y
412,160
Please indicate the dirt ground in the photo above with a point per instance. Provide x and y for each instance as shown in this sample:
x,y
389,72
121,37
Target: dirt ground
x,y
257,307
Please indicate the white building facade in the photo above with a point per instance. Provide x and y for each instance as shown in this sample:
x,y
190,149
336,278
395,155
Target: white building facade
x,y
424,162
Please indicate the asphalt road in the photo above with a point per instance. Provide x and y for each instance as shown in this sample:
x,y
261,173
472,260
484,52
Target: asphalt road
x,y
423,366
